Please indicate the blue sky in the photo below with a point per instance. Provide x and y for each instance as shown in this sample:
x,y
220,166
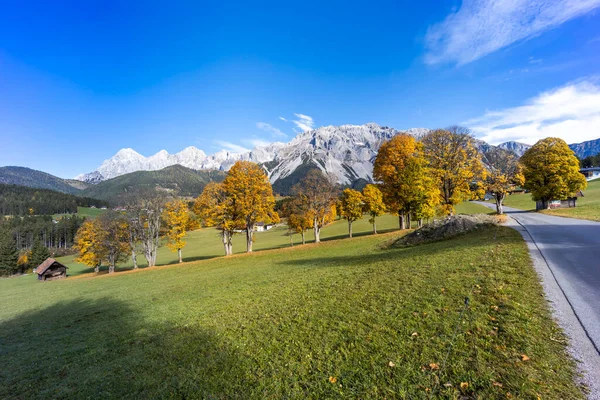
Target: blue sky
x,y
81,80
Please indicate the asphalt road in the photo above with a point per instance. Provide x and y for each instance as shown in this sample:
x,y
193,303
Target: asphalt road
x,y
566,253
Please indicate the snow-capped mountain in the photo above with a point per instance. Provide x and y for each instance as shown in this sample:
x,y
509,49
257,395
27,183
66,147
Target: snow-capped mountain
x,y
515,147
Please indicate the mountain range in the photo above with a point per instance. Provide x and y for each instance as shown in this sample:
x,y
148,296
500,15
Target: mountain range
x,y
345,151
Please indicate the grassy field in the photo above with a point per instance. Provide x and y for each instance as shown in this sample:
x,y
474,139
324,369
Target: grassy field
x,y
87,212
346,318
588,207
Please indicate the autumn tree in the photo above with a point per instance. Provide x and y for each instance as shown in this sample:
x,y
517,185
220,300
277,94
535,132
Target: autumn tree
x,y
114,240
351,207
215,208
88,243
406,181
317,194
504,175
551,171
251,194
145,210
454,163
373,204
299,219
177,217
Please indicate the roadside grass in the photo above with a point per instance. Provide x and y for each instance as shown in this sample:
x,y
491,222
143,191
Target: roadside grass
x,y
588,207
344,318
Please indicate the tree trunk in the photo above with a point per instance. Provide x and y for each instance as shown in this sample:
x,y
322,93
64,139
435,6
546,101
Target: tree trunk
x,y
111,268
499,197
179,252
401,221
97,268
317,230
303,238
420,222
408,221
134,258
226,242
349,228
249,233
374,227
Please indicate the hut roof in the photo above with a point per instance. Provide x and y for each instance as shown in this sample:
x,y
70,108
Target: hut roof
x,y
47,264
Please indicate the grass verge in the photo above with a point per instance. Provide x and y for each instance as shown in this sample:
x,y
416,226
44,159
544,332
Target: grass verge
x,y
340,319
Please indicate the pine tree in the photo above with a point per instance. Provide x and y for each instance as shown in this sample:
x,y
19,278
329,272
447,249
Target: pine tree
x,y
39,253
8,252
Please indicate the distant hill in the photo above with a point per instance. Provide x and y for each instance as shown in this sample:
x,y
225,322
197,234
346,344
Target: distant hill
x,y
23,200
177,180
37,179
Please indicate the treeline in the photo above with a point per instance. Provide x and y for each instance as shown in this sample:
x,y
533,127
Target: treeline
x,y
590,161
50,233
20,200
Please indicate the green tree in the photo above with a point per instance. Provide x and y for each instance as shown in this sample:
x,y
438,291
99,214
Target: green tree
x,y
373,204
351,207
39,253
8,252
551,171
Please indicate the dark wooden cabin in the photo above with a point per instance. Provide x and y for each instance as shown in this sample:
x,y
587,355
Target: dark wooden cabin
x,y
50,270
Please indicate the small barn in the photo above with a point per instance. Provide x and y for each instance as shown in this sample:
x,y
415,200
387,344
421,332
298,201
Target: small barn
x,y
50,270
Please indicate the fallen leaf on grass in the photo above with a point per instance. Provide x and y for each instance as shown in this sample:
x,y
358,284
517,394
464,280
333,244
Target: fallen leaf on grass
x,y
391,364
524,357
464,385
332,379
496,384
414,334
434,366
448,385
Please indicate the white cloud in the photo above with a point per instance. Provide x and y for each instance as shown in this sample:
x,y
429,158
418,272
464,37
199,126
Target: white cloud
x,y
481,27
283,119
304,122
271,129
571,112
255,142
235,148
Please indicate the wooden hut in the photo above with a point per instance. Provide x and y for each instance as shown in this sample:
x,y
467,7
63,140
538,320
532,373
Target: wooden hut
x,y
50,270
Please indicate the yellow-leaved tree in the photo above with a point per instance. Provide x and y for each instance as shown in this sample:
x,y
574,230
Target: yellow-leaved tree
x,y
406,181
455,164
504,175
177,218
251,194
215,208
551,171
299,219
88,243
373,203
351,207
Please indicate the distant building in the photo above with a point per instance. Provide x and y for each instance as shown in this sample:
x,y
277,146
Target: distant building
x,y
261,227
50,270
590,173
571,202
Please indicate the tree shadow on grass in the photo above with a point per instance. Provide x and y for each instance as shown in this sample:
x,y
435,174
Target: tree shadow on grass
x,y
104,349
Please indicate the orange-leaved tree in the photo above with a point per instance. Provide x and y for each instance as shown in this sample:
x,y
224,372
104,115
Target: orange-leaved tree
x,y
551,171
351,206
251,194
176,215
373,203
298,218
405,178
455,164
215,208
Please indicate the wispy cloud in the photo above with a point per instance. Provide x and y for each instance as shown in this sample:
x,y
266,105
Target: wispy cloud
x,y
235,148
271,129
283,119
255,142
481,27
304,122
571,112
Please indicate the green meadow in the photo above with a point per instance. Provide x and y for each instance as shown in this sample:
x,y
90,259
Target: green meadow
x,y
588,207
346,318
